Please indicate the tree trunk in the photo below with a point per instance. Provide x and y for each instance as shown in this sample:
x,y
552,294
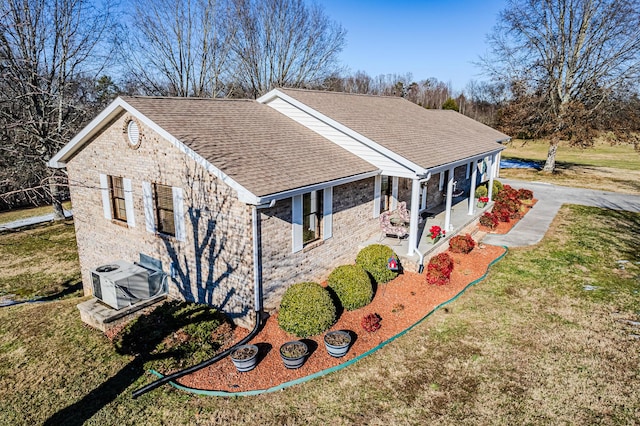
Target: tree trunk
x,y
550,164
58,211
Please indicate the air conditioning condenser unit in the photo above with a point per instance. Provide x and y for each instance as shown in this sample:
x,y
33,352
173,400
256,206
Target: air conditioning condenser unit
x,y
121,284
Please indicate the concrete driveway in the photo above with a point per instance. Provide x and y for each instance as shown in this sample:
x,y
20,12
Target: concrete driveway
x,y
532,227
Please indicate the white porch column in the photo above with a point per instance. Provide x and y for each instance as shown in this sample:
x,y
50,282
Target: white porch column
x,y
413,223
498,158
447,213
472,190
490,188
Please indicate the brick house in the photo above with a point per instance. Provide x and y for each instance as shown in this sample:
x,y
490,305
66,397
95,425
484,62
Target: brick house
x,y
230,193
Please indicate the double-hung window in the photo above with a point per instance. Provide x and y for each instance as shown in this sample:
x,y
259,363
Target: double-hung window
x,y
117,199
118,205
311,216
163,196
164,210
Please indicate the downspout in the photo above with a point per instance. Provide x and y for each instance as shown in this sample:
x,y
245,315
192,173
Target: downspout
x,y
257,289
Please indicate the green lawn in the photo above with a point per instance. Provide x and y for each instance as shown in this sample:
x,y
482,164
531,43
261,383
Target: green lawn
x,y
605,167
12,215
39,261
603,154
541,341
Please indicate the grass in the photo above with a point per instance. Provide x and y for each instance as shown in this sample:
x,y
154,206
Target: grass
x,y
605,166
175,335
12,215
529,345
41,261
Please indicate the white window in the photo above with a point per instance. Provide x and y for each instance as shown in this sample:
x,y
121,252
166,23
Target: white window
x,y
312,217
117,199
164,210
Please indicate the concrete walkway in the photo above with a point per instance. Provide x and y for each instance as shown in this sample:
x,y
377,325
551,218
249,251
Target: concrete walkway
x,y
532,227
17,224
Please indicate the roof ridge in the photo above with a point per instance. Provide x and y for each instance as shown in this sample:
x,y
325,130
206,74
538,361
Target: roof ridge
x,y
188,98
369,95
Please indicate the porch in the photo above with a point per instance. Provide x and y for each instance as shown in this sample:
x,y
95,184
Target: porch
x,y
460,219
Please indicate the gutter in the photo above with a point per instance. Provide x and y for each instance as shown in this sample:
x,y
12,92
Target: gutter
x,y
261,201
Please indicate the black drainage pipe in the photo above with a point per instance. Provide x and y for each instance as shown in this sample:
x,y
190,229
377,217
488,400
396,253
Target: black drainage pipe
x,y
171,377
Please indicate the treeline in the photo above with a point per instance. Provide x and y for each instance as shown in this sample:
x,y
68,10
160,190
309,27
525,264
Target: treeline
x,y
61,62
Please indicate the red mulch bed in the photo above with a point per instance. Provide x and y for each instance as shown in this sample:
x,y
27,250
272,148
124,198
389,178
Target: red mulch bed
x,y
400,303
504,227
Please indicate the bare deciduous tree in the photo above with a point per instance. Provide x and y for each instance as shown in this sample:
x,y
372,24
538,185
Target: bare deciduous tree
x,y
47,47
179,47
283,43
566,58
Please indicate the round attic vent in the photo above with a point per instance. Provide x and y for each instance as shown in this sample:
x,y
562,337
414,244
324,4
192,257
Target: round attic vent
x,y
133,132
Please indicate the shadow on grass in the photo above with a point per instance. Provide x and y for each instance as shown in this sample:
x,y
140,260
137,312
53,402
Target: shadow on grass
x,y
82,410
68,289
141,338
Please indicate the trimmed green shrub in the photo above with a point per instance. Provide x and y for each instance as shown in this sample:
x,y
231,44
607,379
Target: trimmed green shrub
x,y
306,309
352,285
373,259
497,187
481,191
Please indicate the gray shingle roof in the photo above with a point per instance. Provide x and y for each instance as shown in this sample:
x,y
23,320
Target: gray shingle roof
x,y
258,147
429,138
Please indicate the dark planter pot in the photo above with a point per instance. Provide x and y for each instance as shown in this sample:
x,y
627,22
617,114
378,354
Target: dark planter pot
x,y
294,353
337,343
245,357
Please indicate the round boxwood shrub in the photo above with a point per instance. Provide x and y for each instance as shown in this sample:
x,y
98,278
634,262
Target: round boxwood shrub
x,y
373,259
497,187
306,309
352,285
481,191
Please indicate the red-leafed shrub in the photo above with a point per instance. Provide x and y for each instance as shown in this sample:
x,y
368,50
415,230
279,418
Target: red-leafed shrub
x,y
439,269
488,219
371,322
503,215
461,244
512,206
507,194
525,194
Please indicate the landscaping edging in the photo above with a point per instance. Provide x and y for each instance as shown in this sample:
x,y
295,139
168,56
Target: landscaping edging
x,y
321,373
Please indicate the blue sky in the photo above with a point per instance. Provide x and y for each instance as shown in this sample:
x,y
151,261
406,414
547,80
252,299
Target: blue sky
x,y
427,38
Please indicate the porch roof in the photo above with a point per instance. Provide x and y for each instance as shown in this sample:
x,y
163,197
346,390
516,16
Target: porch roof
x,y
429,138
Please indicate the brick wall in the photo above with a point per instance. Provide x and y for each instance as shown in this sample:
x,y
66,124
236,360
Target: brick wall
x,y
353,224
227,281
